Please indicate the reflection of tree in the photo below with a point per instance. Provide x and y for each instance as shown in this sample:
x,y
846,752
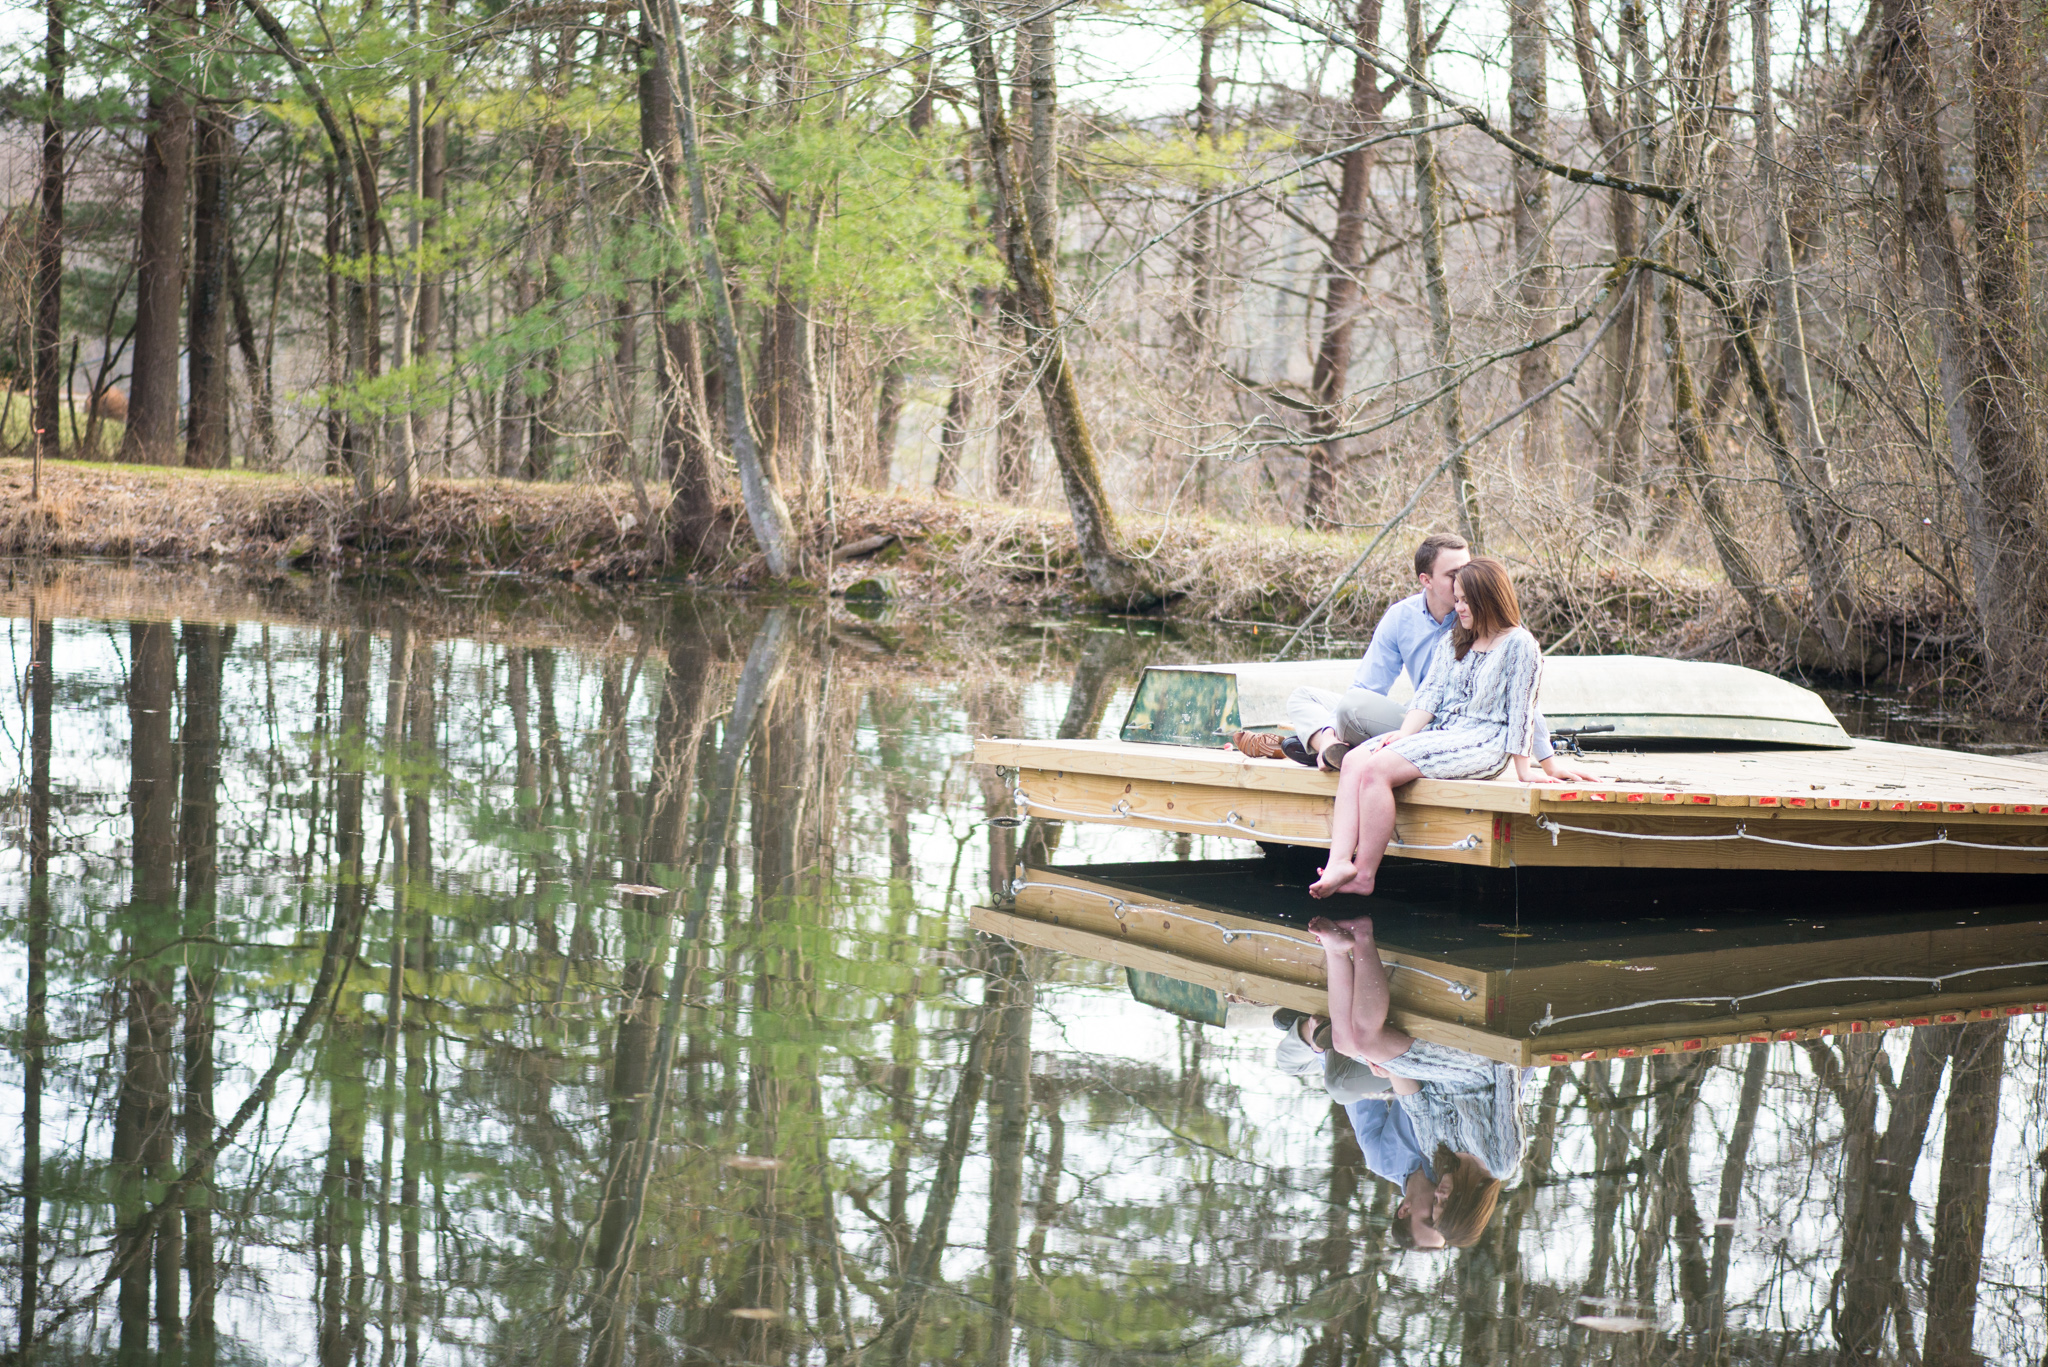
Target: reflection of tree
x,y
1608,1120
1671,1218
149,1250
35,1022
206,648
1872,1295
1970,1125
1734,1170
1010,997
339,1225
640,1093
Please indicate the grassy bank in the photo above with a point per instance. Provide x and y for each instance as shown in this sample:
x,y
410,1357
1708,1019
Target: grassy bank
x,y
894,547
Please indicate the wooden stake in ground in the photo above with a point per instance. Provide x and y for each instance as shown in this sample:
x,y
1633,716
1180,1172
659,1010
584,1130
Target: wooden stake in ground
x,y
1111,572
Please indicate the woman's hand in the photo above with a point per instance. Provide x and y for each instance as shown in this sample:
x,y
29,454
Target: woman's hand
x,y
1526,772
1564,771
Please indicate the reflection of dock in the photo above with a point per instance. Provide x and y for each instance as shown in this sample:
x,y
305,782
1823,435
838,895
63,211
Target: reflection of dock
x,y
1552,989
1870,806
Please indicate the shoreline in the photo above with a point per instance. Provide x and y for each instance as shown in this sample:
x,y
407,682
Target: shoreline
x,y
892,547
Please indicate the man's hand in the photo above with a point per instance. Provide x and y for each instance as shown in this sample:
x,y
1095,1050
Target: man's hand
x,y
1564,771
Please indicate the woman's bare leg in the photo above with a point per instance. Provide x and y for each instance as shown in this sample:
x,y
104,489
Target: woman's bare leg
x,y
1342,867
1378,775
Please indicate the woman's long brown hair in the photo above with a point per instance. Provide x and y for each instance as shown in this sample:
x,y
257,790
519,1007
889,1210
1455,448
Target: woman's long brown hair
x,y
1491,595
1461,1217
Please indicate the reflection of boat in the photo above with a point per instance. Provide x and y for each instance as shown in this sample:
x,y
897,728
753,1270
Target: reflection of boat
x,y
1562,982
1722,768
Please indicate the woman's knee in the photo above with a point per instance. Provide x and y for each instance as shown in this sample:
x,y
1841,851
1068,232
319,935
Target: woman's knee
x,y
1393,769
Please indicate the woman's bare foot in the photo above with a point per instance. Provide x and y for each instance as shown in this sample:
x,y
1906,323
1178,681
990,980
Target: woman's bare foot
x,y
1359,928
1335,875
1361,886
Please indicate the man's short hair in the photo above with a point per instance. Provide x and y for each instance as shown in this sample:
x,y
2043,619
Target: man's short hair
x,y
1434,545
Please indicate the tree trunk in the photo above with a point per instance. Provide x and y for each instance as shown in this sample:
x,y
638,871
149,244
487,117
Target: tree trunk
x,y
953,435
1620,462
767,514
429,324
357,181
1990,444
1806,483
404,424
1202,233
1330,377
1535,269
152,435
2002,48
895,374
785,399
687,459
1111,573
888,417
1781,622
543,410
334,363
49,285
255,363
206,330
1013,376
1429,202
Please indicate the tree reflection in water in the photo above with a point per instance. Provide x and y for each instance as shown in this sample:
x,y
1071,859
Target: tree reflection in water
x,y
381,988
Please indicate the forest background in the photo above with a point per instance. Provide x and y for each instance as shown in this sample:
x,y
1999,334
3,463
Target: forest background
x,y
1669,301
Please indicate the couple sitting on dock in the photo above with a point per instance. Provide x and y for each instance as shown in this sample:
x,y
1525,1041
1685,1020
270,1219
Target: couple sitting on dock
x,y
1473,713
1441,1124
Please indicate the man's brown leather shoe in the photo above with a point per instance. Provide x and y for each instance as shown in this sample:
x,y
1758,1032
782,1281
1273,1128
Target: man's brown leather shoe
x,y
1258,745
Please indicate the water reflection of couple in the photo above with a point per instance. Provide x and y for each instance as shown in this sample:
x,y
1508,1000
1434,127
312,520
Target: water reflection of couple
x,y
1447,1130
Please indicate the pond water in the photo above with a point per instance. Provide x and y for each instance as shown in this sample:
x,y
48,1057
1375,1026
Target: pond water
x,y
459,973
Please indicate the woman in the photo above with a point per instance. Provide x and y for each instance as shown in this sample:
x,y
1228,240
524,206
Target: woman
x,y
1465,1110
1472,715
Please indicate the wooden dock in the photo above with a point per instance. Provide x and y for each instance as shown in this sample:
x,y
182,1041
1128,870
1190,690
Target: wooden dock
x,y
1871,806
1533,998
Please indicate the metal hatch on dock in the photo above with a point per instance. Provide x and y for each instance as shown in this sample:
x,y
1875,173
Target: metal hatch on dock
x,y
1642,697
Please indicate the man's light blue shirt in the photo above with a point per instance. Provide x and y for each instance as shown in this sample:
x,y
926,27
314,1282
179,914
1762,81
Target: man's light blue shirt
x,y
1387,1139
1406,638
1409,638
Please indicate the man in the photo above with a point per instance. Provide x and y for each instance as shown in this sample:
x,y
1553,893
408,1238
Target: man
x,y
1328,724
